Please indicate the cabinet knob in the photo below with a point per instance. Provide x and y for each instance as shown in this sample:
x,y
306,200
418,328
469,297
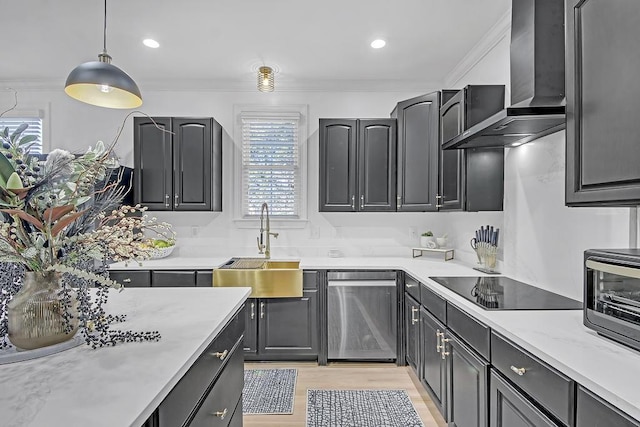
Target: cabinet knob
x,y
439,196
219,355
221,414
519,371
127,280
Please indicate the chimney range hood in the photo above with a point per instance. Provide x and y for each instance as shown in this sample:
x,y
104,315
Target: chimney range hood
x,y
537,80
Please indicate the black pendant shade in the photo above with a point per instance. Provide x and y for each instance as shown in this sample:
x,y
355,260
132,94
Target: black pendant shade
x,y
102,84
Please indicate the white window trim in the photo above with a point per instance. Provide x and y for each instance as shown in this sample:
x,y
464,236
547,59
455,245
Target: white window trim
x,y
43,113
265,111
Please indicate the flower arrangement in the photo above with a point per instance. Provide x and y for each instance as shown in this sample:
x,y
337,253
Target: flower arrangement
x,y
62,215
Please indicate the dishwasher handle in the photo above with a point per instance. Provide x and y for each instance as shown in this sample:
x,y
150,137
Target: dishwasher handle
x,y
361,283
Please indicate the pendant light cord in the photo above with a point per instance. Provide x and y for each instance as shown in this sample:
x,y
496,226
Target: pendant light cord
x,y
104,45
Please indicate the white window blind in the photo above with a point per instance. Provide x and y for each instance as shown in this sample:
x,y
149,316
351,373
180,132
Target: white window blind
x,y
271,164
35,128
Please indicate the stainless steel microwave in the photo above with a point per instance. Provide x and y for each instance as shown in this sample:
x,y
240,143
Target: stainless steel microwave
x,y
612,294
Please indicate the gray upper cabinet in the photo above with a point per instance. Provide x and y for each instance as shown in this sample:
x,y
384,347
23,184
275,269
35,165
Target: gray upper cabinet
x,y
357,165
417,153
603,99
478,184
181,170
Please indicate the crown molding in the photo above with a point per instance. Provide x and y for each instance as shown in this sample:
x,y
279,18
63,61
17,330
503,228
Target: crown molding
x,y
500,30
244,85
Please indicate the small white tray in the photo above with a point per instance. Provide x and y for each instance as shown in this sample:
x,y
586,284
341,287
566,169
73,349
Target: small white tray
x,y
448,252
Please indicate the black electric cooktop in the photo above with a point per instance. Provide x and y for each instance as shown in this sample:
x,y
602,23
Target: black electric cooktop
x,y
503,293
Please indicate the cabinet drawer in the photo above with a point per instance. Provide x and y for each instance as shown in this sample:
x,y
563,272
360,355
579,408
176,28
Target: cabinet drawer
x,y
236,420
173,279
218,408
309,280
132,278
204,278
178,405
593,411
548,387
470,330
412,286
434,303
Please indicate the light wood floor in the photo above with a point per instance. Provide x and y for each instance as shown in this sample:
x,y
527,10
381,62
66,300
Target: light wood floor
x,y
346,376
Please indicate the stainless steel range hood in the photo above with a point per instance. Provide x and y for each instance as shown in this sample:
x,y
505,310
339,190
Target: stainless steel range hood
x,y
537,80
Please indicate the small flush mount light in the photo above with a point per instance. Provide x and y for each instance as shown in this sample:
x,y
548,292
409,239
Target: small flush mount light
x,y
102,84
265,79
151,43
378,43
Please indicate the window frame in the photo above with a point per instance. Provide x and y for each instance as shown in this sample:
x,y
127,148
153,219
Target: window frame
x,y
270,111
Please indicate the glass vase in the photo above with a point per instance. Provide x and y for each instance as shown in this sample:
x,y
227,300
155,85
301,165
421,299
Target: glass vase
x,y
41,314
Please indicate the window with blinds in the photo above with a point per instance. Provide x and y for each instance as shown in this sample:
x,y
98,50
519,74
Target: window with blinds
x,y
271,164
35,129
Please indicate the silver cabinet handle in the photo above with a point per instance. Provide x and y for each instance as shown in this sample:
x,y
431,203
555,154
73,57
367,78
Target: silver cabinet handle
x,y
438,336
262,310
362,201
219,355
519,371
166,200
439,196
444,340
253,313
127,280
353,203
399,204
413,317
221,414
410,285
176,204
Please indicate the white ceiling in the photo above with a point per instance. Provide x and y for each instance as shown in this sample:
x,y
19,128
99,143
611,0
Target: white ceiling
x,y
217,42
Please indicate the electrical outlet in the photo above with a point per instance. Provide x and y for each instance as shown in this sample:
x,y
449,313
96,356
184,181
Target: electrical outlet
x,y
314,232
413,233
194,231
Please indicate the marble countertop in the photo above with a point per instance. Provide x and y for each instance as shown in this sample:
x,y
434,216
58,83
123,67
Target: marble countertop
x,y
121,385
557,337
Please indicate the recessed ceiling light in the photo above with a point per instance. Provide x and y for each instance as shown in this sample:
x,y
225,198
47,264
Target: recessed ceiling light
x,y
151,43
378,43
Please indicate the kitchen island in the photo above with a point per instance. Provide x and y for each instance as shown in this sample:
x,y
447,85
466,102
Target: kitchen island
x,y
121,385
556,337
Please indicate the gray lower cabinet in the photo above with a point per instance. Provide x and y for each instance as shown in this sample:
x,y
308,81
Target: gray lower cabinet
x,y
173,278
251,327
357,165
433,367
591,410
467,384
204,278
510,408
131,278
412,331
162,278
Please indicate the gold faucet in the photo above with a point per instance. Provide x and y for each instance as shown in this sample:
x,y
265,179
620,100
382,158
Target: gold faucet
x,y
265,247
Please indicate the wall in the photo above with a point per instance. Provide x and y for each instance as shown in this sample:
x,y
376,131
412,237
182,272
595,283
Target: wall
x,y
543,240
74,126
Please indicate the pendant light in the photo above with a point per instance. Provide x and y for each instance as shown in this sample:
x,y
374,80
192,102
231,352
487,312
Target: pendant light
x,y
102,84
265,79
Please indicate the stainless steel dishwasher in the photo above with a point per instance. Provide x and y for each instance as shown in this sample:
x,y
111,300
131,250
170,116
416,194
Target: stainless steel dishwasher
x,y
362,315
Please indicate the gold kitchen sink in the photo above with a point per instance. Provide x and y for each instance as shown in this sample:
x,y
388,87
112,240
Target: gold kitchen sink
x,y
266,277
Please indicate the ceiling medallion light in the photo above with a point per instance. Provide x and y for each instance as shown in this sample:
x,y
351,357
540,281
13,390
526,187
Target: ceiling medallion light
x,y
378,43
265,79
102,84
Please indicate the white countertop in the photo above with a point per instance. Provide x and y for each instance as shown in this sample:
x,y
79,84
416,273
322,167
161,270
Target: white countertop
x,y
121,385
559,338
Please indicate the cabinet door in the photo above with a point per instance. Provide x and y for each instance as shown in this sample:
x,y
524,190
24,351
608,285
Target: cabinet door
x,y
603,99
466,385
204,278
509,408
288,327
412,331
433,366
451,162
173,279
132,278
192,156
484,179
251,326
418,140
153,163
376,165
337,186
593,411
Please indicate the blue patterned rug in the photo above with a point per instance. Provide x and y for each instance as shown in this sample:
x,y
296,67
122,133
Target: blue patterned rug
x,y
268,391
361,408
